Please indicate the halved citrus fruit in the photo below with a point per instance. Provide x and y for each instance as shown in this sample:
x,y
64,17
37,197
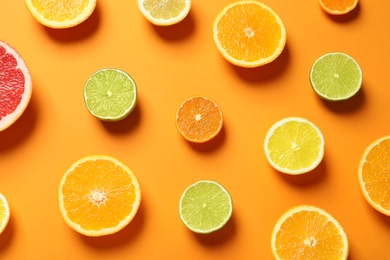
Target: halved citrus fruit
x,y
374,174
98,195
294,145
310,233
15,85
4,213
110,94
336,76
249,33
61,13
199,119
338,7
164,12
205,206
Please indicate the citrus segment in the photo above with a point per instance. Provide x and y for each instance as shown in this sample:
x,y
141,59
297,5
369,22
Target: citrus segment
x,y
336,76
110,94
15,85
338,7
308,232
4,213
98,195
199,119
205,206
249,33
294,145
374,175
61,13
164,12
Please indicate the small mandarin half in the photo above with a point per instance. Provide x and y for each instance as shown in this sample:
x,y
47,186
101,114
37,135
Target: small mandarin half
x,y
374,174
337,7
61,13
199,119
15,85
249,33
98,195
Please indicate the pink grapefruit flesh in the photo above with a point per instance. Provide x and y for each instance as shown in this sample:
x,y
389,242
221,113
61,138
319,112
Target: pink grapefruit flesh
x,y
15,85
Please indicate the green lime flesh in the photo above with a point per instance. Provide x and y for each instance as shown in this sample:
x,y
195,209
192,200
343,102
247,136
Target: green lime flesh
x,y
205,207
110,94
336,76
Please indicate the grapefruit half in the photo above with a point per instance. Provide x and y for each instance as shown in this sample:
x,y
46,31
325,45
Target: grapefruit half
x,y
15,85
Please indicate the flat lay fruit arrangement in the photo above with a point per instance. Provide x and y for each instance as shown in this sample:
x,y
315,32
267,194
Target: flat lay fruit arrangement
x,y
184,129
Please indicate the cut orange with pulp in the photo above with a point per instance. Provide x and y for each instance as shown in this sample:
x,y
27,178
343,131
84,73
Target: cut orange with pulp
x,y
98,195
374,174
199,119
337,6
249,33
309,233
61,13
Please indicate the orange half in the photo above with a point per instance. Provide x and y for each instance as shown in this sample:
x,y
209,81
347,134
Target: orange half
x,y
98,195
310,233
374,175
249,33
61,13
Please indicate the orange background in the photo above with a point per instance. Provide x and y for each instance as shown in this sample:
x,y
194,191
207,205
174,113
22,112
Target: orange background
x,y
169,65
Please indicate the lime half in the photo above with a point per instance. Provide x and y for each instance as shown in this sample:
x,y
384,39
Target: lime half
x,y
336,76
205,206
110,94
